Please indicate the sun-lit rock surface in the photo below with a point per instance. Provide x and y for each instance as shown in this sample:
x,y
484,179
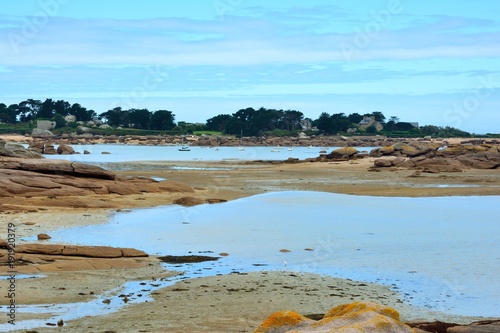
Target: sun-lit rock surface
x,y
355,317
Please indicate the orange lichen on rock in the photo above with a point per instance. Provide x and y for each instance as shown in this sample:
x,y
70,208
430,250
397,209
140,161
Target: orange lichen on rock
x,y
283,321
355,317
344,309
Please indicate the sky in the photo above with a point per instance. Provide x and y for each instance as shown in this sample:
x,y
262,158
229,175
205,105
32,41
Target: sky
x,y
426,61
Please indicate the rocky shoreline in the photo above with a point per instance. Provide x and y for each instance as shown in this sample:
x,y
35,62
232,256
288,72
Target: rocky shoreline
x,y
427,157
234,141
35,189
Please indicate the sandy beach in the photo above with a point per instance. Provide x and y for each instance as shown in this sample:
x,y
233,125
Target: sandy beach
x,y
228,303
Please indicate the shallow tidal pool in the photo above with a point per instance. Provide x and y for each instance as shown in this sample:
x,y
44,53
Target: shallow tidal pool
x,y
440,253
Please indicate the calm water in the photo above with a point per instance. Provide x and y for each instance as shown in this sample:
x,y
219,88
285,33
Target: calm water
x,y
125,153
441,253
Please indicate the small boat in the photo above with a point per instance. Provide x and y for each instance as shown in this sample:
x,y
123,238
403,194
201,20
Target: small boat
x,y
241,139
275,150
184,148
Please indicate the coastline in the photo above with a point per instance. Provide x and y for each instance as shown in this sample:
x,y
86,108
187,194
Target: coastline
x,y
219,309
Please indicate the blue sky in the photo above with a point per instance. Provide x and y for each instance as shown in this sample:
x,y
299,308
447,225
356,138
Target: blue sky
x,y
435,62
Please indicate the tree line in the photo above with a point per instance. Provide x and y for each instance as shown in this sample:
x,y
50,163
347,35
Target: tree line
x,y
30,110
249,121
256,122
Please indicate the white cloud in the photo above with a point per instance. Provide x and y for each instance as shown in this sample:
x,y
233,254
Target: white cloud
x,y
254,54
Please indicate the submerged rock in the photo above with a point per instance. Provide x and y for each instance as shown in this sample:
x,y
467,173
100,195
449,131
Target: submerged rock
x,y
186,259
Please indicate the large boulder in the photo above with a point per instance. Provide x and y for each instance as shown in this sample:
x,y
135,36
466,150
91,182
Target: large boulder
x,y
387,150
356,317
41,133
411,151
345,152
65,150
383,163
70,118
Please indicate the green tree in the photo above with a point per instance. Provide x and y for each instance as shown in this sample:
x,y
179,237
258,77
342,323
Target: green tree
x,y
394,119
243,120
28,110
429,130
291,119
62,107
443,132
219,123
379,116
371,129
340,123
162,120
324,123
59,119
113,117
141,118
354,118
7,114
47,109
403,126
81,113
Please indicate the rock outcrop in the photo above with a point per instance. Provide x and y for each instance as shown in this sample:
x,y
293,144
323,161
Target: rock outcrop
x,y
36,258
492,326
17,150
56,167
430,158
343,153
356,317
80,251
53,178
65,150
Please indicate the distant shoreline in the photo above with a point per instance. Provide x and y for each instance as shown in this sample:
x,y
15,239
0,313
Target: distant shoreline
x,y
233,141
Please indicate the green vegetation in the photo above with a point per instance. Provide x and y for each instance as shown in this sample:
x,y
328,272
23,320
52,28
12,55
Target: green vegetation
x,y
21,118
217,133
